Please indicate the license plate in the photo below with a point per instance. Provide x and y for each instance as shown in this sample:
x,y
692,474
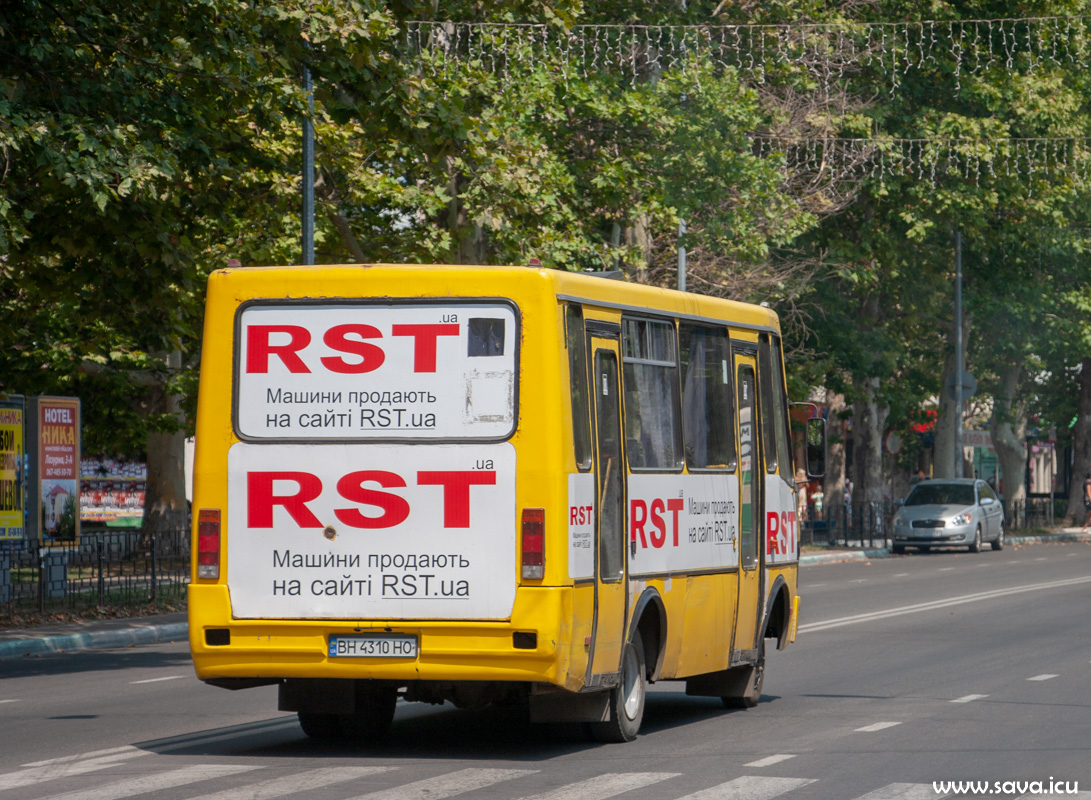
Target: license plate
x,y
373,647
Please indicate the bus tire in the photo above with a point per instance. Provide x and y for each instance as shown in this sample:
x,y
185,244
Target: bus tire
x,y
755,678
320,726
626,699
373,715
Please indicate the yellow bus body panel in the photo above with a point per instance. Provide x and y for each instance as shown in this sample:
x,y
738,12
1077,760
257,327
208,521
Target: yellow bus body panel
x,y
699,608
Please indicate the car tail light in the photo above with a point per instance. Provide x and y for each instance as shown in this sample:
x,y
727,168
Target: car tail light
x,y
533,543
208,543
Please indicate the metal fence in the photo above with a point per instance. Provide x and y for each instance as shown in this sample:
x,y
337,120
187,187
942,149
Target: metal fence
x,y
106,568
849,524
871,524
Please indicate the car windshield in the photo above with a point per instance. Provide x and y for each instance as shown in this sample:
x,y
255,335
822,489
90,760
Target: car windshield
x,y
941,494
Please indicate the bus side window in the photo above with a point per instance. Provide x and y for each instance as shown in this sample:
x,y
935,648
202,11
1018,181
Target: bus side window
x,y
780,397
577,373
653,427
708,409
774,409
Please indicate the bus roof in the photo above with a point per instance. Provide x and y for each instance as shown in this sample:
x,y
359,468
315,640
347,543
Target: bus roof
x,y
596,289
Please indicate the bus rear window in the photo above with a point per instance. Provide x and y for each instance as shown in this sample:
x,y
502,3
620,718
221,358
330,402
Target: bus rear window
x,y
366,371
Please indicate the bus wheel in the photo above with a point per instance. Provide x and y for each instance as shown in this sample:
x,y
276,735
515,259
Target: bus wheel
x,y
373,715
627,699
754,680
320,726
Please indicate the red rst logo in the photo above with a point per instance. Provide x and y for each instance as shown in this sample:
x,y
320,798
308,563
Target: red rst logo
x,y
349,339
261,496
639,517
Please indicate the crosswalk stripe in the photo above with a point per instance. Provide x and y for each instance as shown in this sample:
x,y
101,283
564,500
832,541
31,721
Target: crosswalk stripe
x,y
969,698
603,786
903,791
749,788
293,784
449,785
153,783
51,772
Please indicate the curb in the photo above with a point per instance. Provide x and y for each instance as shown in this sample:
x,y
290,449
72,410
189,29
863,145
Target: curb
x,y
847,555
148,634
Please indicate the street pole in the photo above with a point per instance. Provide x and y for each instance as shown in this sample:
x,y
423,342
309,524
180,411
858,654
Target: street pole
x,y
681,257
308,170
958,354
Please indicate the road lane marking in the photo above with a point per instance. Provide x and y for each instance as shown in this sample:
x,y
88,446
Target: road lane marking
x,y
902,791
901,575
449,785
969,698
154,783
934,604
878,726
945,569
769,761
157,680
127,748
604,786
749,788
294,784
9,701
1045,677
49,772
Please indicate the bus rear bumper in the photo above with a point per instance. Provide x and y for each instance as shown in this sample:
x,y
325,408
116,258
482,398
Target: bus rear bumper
x,y
533,645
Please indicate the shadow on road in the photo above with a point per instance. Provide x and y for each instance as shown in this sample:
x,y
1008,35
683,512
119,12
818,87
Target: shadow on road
x,y
425,733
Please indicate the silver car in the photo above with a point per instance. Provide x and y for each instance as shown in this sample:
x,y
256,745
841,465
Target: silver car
x,y
950,513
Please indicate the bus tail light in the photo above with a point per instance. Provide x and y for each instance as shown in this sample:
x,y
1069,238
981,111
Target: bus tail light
x,y
208,543
533,543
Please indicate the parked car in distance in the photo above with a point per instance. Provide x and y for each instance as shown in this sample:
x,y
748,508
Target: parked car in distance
x,y
949,513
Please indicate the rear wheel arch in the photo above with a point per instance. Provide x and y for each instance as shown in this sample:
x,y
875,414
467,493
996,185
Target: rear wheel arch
x,y
650,619
778,614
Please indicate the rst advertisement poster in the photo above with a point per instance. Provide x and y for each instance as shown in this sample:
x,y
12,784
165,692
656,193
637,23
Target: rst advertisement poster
x,y
56,423
12,469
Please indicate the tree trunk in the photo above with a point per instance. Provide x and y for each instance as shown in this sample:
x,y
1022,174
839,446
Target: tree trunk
x,y
1081,447
1009,434
943,464
868,420
833,485
165,507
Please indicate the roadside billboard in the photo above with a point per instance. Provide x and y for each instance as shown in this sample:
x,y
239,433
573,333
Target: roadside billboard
x,y
12,467
54,492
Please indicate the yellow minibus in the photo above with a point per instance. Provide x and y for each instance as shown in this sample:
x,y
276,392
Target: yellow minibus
x,y
487,485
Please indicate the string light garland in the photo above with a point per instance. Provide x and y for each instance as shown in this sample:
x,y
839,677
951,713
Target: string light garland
x,y
930,161
828,51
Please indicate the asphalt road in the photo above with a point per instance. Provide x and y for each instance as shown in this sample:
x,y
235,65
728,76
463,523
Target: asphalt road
x,y
907,670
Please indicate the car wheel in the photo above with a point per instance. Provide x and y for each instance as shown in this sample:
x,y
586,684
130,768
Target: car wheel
x,y
320,726
627,699
373,715
999,543
899,549
924,548
976,546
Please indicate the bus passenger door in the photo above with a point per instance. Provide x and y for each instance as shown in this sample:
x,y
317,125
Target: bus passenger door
x,y
608,632
750,602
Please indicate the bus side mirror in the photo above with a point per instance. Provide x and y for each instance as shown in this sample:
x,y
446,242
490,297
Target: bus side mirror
x,y
816,447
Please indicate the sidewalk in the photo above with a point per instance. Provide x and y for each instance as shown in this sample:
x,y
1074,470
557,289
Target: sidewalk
x,y
104,633
865,554
93,634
